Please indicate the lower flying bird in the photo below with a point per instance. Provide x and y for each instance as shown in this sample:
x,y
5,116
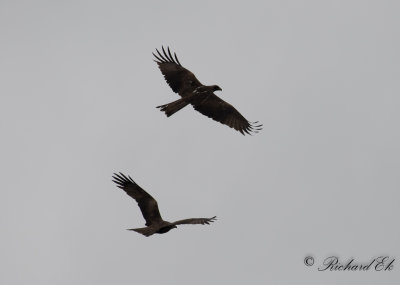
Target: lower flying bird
x,y
200,96
148,206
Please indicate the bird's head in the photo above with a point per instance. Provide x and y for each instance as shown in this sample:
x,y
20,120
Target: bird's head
x,y
216,88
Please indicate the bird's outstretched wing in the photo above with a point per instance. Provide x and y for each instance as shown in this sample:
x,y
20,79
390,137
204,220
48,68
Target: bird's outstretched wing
x,y
196,221
147,204
223,112
181,80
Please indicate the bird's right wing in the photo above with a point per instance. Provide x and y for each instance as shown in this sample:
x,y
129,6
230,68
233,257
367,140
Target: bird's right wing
x,y
181,80
196,221
147,204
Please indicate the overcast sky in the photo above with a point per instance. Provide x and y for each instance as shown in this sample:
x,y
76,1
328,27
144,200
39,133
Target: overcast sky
x,y
77,102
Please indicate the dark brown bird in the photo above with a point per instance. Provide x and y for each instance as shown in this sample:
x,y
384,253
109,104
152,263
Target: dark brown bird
x,y
200,96
148,206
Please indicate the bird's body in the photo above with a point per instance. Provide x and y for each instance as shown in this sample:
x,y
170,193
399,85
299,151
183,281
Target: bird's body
x,y
201,97
149,208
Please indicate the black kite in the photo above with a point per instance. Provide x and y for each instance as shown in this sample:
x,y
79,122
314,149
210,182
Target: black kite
x,y
148,206
200,96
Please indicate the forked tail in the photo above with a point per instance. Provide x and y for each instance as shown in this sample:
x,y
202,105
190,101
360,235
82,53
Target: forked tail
x,y
147,231
173,107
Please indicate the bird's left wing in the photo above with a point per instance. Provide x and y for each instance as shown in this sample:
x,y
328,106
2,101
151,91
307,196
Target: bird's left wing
x,y
223,112
196,221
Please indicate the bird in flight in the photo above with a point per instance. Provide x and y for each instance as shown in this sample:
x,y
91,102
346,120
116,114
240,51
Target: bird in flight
x,y
149,208
200,96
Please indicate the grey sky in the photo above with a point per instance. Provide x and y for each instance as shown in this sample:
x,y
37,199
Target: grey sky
x,y
77,102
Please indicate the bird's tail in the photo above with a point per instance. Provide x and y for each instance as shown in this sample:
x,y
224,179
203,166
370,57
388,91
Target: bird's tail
x,y
173,107
147,231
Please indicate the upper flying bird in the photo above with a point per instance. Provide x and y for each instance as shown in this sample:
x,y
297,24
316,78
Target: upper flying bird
x,y
148,206
200,96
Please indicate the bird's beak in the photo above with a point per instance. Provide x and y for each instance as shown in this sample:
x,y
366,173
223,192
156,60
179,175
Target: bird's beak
x,y
219,88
